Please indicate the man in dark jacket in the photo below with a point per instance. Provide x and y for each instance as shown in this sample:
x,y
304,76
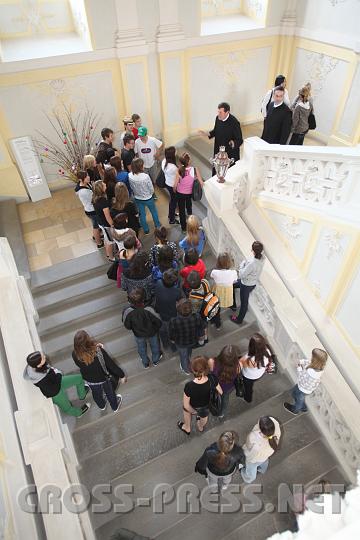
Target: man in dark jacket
x,y
185,330
167,293
145,324
227,132
53,384
105,149
277,124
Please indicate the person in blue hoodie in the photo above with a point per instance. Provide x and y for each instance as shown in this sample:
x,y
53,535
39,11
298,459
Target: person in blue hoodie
x,y
121,175
53,384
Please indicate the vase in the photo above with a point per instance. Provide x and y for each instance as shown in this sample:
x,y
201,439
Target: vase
x,y
221,163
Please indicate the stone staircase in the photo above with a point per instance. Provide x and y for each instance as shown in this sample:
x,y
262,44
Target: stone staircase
x,y
141,444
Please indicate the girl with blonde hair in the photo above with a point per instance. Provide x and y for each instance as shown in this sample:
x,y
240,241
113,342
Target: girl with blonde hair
x,y
94,170
302,109
195,236
309,375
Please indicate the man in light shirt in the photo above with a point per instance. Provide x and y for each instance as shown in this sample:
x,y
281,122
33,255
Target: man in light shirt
x,y
148,149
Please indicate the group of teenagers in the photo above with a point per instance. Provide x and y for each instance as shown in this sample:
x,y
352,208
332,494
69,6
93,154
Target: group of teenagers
x,y
122,181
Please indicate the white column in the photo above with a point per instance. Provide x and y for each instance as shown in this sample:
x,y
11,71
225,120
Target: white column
x,y
170,28
129,32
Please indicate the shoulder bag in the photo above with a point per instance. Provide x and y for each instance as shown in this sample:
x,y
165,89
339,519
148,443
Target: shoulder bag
x,y
160,179
197,190
114,380
113,270
239,384
215,402
312,120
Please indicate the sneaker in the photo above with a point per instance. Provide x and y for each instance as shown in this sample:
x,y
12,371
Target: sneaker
x,y
160,358
119,396
85,408
147,367
175,222
289,408
99,246
146,233
104,407
183,371
155,197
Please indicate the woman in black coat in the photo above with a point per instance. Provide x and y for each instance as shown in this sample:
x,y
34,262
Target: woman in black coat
x,y
98,370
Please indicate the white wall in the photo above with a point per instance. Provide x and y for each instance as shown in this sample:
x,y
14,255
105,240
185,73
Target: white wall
x,y
336,18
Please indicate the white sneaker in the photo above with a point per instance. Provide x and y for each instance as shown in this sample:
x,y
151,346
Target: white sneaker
x,y
119,396
85,409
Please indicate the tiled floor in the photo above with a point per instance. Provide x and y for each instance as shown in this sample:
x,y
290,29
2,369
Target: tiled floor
x,y
57,230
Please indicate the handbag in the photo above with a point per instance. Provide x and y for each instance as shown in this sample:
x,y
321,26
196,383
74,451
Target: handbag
x,y
215,402
197,190
160,179
112,272
239,385
114,380
312,121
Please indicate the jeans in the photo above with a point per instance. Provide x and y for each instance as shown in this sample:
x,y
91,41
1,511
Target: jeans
x,y
172,203
150,204
299,398
62,400
225,401
218,483
152,171
185,355
245,291
142,349
184,200
250,470
98,394
164,336
297,138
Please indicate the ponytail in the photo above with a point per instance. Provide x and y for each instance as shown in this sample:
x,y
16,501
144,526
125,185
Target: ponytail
x,y
267,428
226,443
184,160
257,248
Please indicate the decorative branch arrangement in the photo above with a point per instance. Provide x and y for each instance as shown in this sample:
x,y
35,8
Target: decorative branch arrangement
x,y
77,135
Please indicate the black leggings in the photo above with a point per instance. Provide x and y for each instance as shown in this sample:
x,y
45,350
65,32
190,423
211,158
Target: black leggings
x,y
248,389
184,200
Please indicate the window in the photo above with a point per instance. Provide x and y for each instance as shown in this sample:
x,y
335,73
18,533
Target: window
x,y
41,28
222,16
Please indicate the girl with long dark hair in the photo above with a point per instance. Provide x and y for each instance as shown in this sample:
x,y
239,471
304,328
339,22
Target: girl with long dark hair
x,y
226,367
261,443
253,364
96,366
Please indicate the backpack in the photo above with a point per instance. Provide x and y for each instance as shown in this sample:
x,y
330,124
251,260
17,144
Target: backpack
x,y
210,302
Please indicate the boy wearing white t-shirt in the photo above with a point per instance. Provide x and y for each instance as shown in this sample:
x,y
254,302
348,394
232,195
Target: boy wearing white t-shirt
x,y
148,149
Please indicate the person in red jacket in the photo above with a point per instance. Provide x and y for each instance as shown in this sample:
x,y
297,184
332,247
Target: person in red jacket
x,y
192,262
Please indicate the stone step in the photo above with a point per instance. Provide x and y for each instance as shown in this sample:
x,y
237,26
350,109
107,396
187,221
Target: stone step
x,y
138,435
176,467
96,324
73,309
201,148
49,278
53,296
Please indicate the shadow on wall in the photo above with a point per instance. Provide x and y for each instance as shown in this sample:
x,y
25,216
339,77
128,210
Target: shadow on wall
x,y
125,534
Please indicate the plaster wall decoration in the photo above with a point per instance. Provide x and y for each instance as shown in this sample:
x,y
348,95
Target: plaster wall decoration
x,y
228,66
333,243
291,227
294,232
327,261
34,18
255,7
339,432
318,67
222,75
350,115
347,308
241,192
264,308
